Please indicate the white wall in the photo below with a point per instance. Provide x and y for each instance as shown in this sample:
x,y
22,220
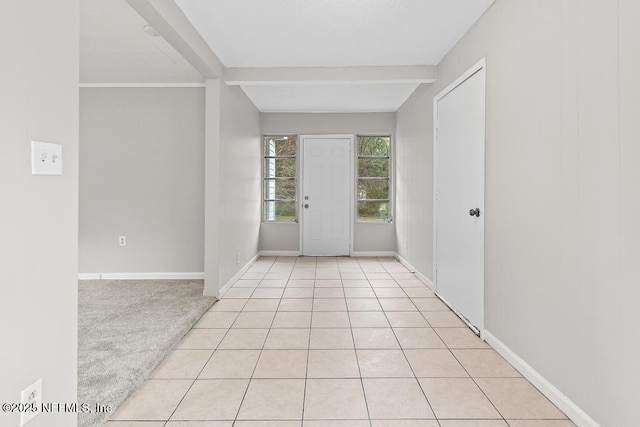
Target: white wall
x,y
368,237
232,184
141,175
38,214
561,191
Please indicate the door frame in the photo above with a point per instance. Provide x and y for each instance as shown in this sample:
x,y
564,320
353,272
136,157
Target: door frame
x,y
351,138
480,65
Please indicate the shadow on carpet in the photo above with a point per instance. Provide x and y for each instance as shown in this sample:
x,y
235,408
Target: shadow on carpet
x,y
125,328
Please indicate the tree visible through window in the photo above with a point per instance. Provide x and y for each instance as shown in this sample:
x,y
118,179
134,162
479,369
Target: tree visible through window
x,y
374,178
279,192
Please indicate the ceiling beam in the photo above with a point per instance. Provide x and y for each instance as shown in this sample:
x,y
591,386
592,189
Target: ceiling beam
x,y
169,21
331,75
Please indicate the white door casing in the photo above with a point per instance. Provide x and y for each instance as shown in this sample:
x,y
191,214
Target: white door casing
x,y
327,194
459,153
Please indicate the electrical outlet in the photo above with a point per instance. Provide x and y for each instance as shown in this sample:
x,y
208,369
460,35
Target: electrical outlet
x,y
238,258
31,397
122,240
406,243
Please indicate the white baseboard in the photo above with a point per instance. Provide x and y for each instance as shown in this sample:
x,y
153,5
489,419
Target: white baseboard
x,y
141,276
89,276
577,415
424,279
280,253
373,253
353,254
405,263
237,276
140,85
566,405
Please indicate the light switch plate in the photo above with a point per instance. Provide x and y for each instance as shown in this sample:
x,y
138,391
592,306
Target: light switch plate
x,y
46,158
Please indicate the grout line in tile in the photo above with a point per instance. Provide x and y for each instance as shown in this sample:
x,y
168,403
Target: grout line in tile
x,y
364,394
360,262
199,373
477,385
306,371
408,363
181,399
244,395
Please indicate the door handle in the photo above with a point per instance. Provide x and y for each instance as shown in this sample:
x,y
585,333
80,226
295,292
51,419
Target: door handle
x,y
306,206
475,212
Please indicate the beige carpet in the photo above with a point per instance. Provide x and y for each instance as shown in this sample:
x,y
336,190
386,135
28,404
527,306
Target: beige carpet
x,y
125,328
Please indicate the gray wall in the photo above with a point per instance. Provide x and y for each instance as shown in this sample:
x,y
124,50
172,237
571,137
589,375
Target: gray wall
x,y
141,175
367,236
232,184
239,181
562,180
38,217
414,181
212,188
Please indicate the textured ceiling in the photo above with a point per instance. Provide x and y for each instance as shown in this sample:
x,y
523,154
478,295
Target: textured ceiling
x,y
313,33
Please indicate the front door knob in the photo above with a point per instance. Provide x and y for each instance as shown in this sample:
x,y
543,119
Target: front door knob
x,y
475,212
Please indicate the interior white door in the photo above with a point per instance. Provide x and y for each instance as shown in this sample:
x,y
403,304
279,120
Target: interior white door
x,y
459,154
327,183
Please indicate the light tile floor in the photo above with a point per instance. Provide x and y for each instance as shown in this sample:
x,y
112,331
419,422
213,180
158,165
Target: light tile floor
x,y
334,342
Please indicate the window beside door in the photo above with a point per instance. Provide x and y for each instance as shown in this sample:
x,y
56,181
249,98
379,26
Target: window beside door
x,y
279,178
374,178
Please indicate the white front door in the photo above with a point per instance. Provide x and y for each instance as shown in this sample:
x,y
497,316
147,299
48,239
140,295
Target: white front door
x,y
459,160
327,183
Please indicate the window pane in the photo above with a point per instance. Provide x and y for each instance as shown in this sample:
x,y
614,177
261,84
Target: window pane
x,y
373,146
373,189
280,146
280,211
373,210
376,168
274,189
279,183
280,168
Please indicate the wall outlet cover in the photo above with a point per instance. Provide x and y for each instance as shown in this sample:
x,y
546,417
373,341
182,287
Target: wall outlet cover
x,y
32,398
